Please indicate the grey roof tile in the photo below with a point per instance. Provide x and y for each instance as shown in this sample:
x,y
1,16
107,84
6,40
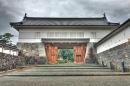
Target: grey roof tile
x,y
63,21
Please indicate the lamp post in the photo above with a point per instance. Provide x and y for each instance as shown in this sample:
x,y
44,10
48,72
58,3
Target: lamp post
x,y
122,62
102,63
110,65
123,66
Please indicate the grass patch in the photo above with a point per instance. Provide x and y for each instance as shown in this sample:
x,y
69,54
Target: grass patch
x,y
61,61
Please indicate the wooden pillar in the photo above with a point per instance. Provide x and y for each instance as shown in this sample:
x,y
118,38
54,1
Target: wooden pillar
x,y
74,54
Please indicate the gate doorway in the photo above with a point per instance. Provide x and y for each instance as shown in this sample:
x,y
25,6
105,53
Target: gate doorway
x,y
52,51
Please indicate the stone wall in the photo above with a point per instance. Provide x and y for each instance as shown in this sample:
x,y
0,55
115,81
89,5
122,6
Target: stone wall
x,y
36,50
8,62
30,49
116,55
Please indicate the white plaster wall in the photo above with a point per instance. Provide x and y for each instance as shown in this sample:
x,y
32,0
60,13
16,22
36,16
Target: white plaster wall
x,y
116,40
31,40
11,52
89,45
42,51
0,49
14,53
6,51
30,35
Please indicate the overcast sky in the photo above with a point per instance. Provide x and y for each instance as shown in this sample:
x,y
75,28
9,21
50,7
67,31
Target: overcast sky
x,y
14,10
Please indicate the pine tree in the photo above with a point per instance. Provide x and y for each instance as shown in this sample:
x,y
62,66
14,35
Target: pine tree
x,y
6,38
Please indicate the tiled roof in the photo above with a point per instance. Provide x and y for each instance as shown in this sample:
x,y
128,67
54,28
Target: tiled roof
x,y
63,21
9,46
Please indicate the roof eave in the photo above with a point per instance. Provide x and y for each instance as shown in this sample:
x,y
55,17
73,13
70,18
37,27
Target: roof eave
x,y
64,25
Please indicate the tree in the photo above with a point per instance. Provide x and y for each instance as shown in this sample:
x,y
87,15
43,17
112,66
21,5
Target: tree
x,y
66,53
6,38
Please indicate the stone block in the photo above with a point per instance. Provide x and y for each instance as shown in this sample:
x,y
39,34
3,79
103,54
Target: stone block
x,y
129,39
41,60
29,49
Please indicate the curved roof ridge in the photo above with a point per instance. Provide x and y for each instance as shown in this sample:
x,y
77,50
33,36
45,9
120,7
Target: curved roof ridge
x,y
66,17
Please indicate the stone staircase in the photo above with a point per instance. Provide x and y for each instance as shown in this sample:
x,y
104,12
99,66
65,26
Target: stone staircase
x,y
68,70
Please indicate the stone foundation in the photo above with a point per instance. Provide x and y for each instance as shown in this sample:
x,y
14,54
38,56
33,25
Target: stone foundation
x,y
116,55
29,49
8,62
36,50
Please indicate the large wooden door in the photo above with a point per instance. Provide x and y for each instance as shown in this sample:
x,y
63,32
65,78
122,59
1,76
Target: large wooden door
x,y
51,53
79,53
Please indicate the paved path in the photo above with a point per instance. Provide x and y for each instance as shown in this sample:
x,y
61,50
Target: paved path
x,y
66,75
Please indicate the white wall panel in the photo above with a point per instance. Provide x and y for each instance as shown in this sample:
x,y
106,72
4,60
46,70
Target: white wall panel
x,y
116,40
0,49
30,40
31,35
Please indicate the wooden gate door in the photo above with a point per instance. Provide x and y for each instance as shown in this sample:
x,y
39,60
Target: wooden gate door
x,y
51,53
79,53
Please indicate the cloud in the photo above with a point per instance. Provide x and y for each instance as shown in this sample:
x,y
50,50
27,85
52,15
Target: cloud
x,y
14,10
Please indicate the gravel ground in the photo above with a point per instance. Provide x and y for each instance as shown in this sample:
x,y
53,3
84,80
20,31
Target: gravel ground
x,y
66,81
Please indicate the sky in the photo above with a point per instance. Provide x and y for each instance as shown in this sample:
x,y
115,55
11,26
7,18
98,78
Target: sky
x,y
14,11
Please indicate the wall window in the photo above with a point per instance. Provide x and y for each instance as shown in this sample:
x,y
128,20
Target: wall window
x,y
80,34
65,34
37,34
93,34
72,34
50,34
58,34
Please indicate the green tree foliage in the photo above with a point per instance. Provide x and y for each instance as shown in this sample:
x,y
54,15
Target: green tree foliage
x,y
66,53
6,38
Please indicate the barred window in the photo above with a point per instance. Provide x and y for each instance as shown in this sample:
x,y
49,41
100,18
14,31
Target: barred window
x,y
65,34
58,34
50,34
80,34
72,34
37,34
93,34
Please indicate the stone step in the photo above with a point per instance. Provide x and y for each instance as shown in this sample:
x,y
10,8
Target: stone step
x,y
70,65
68,74
69,70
